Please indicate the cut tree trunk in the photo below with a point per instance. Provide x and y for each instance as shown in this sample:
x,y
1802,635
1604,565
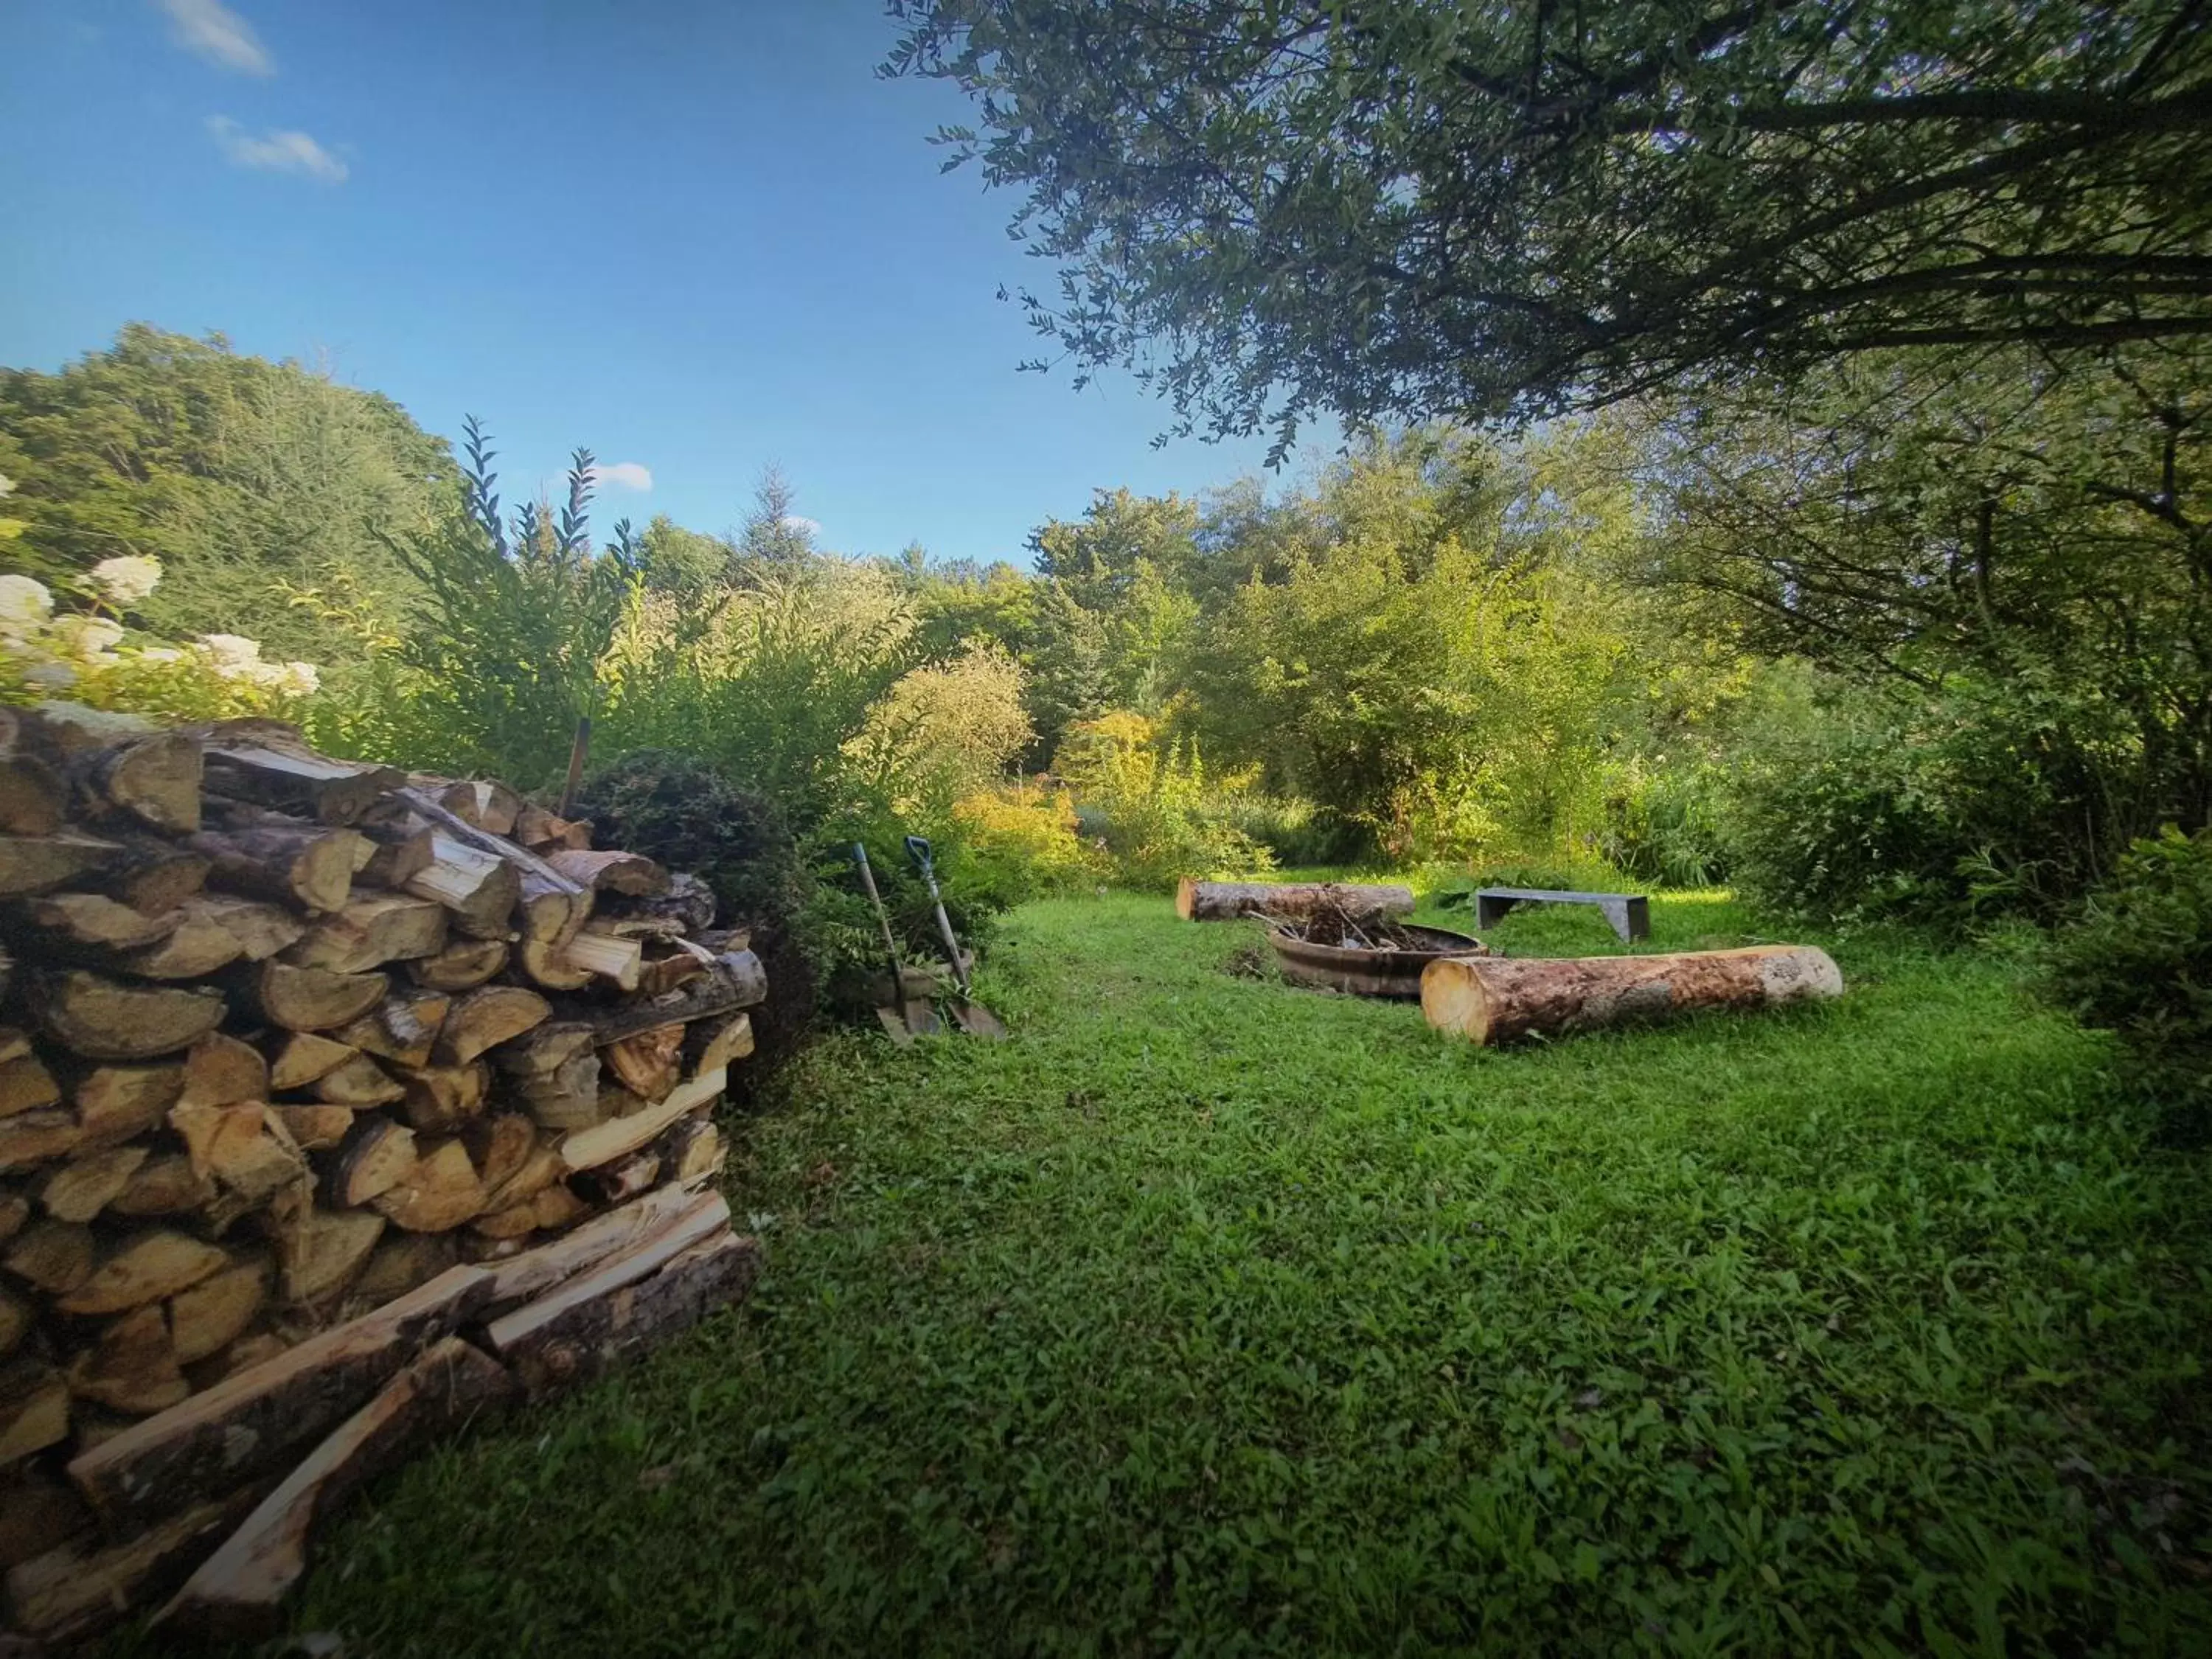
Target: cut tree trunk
x,y
316,1127
221,1070
324,1250
35,1409
1226,900
360,1082
310,998
116,1103
214,1313
371,930
54,1257
649,1064
166,1184
403,851
479,888
103,1019
156,779
31,796
710,1044
153,875
143,1268
26,1085
77,922
485,1019
628,873
441,1098
463,965
261,930
28,1138
270,763
438,1194
621,960
405,1027
486,806
80,1188
371,1160
300,1057
197,947
1494,1000
38,864
687,908
252,1423
131,1367
237,1593
301,864
735,980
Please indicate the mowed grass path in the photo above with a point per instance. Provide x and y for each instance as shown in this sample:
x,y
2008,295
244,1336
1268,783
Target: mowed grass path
x,y
1214,1317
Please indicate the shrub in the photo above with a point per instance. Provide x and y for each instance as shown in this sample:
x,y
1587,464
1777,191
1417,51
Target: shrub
x,y
1023,838
1149,803
2139,962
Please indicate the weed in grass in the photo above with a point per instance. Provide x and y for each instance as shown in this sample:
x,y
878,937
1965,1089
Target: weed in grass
x,y
1208,1318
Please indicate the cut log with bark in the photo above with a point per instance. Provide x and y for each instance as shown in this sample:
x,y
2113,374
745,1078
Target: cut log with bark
x,y
35,1409
261,930
103,1018
252,1423
309,865
237,1595
499,1145
322,1251
484,804
269,763
540,1170
372,929
309,998
585,1149
33,796
36,1512
372,1160
92,923
166,1184
585,1328
712,1044
88,1183
479,889
660,973
298,1058
399,1263
221,1070
400,852
16,1319
32,1138
70,1594
1497,999
543,832
38,864
313,1128
26,1085
619,961
440,1099
611,872
1227,901
53,1257
567,1097
735,980
692,1151
485,1019
131,1366
621,1181
463,965
687,907
156,779
213,1314
438,1193
403,1028
360,1082
152,875
140,1268
117,1103
197,947
650,1064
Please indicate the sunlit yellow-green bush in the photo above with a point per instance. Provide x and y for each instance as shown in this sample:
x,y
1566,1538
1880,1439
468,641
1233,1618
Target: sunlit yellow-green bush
x,y
1147,798
1027,836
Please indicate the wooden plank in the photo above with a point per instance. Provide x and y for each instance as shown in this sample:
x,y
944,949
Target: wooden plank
x,y
578,1330
237,1593
248,1425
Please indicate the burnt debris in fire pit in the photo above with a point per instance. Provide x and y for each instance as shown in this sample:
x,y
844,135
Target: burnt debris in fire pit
x,y
1366,955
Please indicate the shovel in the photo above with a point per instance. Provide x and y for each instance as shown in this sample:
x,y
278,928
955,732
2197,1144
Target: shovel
x,y
911,1017
969,1015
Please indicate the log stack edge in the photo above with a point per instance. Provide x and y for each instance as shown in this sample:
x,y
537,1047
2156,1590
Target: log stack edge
x,y
337,1104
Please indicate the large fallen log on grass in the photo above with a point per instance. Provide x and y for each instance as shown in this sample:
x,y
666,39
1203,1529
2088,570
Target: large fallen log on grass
x,y
1226,901
1494,1000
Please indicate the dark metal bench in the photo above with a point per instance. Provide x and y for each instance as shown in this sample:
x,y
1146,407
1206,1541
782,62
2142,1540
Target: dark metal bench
x,y
1629,913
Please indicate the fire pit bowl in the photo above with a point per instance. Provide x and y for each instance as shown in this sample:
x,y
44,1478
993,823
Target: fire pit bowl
x,y
1394,971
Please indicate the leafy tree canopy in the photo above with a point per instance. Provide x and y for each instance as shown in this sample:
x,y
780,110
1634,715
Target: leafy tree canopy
x,y
1420,210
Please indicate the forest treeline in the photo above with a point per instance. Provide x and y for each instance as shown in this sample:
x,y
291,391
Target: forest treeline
x,y
1914,635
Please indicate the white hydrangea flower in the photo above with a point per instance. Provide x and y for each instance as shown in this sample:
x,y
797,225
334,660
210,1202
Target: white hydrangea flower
x,y
85,638
298,679
50,676
24,602
233,654
127,579
160,654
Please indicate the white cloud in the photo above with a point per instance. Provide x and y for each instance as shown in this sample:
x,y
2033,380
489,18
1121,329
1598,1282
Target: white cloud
x,y
798,521
276,151
210,29
624,475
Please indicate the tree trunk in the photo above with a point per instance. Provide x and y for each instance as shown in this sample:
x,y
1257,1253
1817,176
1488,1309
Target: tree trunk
x,y
1494,1000
1226,901
301,864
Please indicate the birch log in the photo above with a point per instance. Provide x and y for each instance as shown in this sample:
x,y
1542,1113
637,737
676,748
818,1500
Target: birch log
x,y
1226,901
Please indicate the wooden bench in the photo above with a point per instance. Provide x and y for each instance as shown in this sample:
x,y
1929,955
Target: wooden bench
x,y
1629,913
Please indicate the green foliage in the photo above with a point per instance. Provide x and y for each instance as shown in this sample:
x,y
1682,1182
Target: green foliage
x,y
257,485
2139,962
678,809
1211,1317
1405,209
1146,797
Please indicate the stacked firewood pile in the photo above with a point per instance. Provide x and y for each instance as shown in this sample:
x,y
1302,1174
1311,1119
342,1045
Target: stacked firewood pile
x,y
334,1101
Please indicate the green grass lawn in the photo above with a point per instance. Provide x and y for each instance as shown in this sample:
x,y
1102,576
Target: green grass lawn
x,y
1212,1316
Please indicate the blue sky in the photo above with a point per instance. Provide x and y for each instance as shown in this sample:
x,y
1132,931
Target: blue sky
x,y
695,237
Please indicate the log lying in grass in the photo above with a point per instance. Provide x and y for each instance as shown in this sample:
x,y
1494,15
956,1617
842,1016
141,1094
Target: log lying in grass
x,y
1495,1000
1226,900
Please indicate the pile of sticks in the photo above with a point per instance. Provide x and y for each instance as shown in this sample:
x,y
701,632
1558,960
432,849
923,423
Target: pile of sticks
x,y
335,1104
